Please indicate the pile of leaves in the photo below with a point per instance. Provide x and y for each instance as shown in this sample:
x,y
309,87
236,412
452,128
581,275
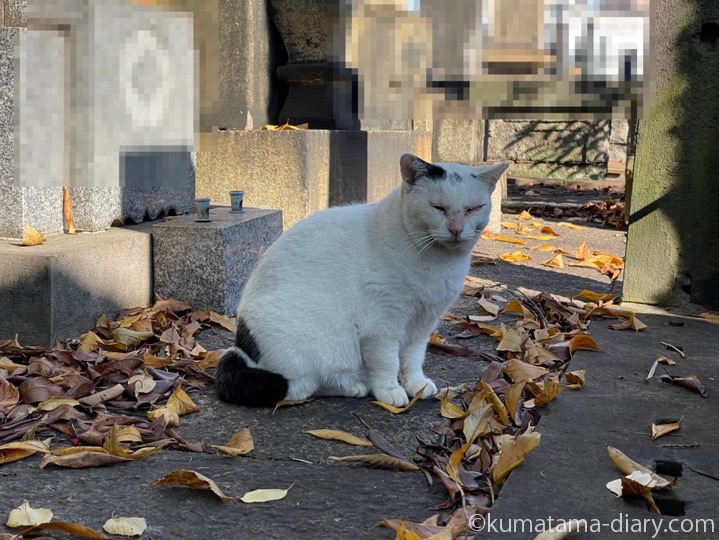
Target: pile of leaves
x,y
609,212
492,423
143,363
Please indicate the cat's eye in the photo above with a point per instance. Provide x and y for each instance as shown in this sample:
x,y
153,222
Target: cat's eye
x,y
468,211
440,208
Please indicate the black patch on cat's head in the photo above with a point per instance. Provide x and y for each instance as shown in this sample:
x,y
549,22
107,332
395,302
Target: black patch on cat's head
x,y
414,168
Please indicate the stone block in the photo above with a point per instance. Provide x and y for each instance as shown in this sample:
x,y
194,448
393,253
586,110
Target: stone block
x,y
301,172
57,290
207,264
120,134
582,142
569,171
16,13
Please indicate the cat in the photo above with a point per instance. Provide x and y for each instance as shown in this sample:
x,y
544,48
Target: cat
x,y
343,303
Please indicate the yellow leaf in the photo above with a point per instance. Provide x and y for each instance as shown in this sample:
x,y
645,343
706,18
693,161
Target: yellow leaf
x,y
144,383
502,238
455,460
583,341
570,225
520,371
550,391
54,402
33,237
125,526
181,403
339,435
291,403
594,296
171,418
514,257
476,423
511,341
555,262
513,453
582,252
539,355
512,397
659,430
524,216
190,479
264,495
515,306
380,461
67,211
497,404
112,445
544,247
540,237
665,360
713,317
509,224
449,410
488,306
240,443
26,516
15,451
400,410
575,379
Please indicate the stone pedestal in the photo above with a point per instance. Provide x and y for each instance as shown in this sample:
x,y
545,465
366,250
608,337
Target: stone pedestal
x,y
301,172
100,99
57,290
207,264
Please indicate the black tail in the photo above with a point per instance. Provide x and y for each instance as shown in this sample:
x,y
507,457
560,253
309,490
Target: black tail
x,y
239,383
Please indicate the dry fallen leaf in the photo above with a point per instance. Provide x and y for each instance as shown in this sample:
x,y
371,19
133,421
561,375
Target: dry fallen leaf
x,y
665,427
513,453
191,479
594,296
691,382
72,529
583,341
339,435
291,403
228,323
520,371
550,391
570,225
400,410
502,238
665,360
489,307
26,516
555,262
380,461
583,253
17,450
540,237
181,403
264,495
9,396
240,443
575,379
514,257
512,341
67,211
524,216
449,410
627,465
125,526
33,237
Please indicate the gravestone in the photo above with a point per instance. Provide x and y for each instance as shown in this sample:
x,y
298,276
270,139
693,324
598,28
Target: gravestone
x,y
100,99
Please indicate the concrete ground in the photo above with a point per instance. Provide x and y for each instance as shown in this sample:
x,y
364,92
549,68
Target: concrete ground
x,y
564,477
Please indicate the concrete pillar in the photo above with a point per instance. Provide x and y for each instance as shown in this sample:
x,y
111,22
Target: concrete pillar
x,y
673,240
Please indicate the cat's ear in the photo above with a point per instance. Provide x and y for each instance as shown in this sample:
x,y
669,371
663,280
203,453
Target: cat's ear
x,y
492,173
414,168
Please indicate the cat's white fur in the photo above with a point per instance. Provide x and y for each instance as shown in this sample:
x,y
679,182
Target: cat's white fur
x,y
344,302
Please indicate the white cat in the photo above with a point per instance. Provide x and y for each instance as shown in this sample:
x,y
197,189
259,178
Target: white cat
x,y
344,302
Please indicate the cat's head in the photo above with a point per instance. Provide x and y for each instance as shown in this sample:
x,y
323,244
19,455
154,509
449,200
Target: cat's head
x,y
447,204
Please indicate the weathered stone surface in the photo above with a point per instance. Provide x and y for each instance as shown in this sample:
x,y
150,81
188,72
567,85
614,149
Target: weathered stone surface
x,y
557,170
16,13
58,289
207,264
301,172
672,240
538,141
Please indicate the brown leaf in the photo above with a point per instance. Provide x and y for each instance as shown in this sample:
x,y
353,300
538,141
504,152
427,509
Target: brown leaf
x,y
210,359
512,398
181,403
512,341
548,230
67,211
33,237
38,389
191,479
338,435
240,443
101,397
70,528
291,403
15,451
228,323
82,460
628,466
130,337
583,341
691,382
583,254
575,379
550,391
594,296
380,461
450,410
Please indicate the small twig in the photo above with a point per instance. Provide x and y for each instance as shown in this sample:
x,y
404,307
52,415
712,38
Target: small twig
x,y
692,445
670,346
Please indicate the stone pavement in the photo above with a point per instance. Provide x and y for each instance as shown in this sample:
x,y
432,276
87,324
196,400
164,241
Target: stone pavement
x,y
564,477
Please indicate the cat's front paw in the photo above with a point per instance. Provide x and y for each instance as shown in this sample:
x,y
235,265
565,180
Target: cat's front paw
x,y
357,390
392,396
415,385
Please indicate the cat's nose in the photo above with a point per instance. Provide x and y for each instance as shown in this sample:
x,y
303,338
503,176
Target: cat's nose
x,y
456,230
